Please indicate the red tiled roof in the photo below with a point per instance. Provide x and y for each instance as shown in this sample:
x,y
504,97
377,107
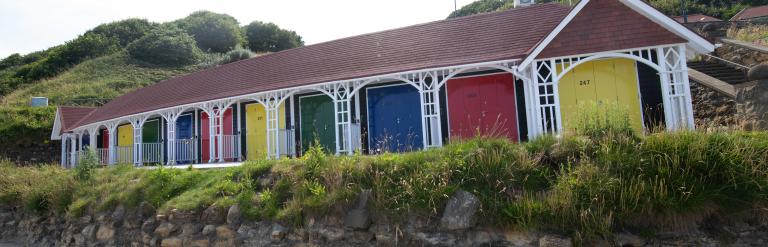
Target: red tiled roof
x,y
605,25
479,38
70,116
696,18
750,13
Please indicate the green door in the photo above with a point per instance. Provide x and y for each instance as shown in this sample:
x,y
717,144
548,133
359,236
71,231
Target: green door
x,y
316,122
150,133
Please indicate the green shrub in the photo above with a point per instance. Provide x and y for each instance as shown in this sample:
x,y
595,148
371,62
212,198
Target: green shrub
x,y
237,55
65,56
268,37
11,61
88,163
213,32
167,46
124,31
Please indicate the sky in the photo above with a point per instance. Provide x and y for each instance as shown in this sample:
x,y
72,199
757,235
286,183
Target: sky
x,y
32,25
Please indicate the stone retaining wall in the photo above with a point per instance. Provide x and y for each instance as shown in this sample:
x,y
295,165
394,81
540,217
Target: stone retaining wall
x,y
343,226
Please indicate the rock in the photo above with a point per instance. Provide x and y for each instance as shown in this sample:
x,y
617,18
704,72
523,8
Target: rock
x,y
149,225
628,239
105,233
89,232
383,234
214,215
517,238
278,232
190,229
551,240
171,242
198,243
180,217
161,218
208,230
224,232
460,211
146,209
165,229
233,215
436,239
758,72
119,214
331,234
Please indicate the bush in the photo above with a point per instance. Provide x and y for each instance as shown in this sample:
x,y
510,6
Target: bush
x,y
125,31
65,56
88,163
213,32
237,55
268,37
21,127
11,61
167,46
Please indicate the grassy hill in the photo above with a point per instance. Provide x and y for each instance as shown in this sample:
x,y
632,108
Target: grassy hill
x,y
98,79
113,59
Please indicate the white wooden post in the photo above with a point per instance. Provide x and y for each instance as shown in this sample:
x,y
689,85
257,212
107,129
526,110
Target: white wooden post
x,y
64,138
170,140
686,86
73,151
220,133
138,157
112,129
211,135
430,110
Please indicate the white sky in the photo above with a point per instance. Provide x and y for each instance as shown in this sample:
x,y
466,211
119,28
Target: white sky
x,y
31,25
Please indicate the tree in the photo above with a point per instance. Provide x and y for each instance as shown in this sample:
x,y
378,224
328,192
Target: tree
x,y
477,7
268,37
166,45
11,61
213,32
125,31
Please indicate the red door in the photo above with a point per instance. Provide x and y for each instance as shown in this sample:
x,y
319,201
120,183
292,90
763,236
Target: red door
x,y
205,138
483,105
105,138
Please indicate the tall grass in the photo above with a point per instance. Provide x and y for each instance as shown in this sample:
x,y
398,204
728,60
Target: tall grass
x,y
757,34
596,180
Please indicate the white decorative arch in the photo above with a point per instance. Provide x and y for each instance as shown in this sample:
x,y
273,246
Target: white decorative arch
x,y
571,66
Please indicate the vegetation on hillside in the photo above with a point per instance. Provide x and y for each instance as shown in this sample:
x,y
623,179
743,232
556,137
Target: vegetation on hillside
x,y
716,8
114,58
602,178
757,34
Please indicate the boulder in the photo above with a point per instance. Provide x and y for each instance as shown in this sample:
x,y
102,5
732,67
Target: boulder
x,y
165,229
551,240
628,239
190,229
149,225
208,230
224,232
758,72
358,217
278,232
171,242
233,215
105,233
460,211
89,232
214,215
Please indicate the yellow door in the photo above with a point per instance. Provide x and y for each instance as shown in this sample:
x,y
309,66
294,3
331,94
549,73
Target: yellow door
x,y
124,139
256,130
606,81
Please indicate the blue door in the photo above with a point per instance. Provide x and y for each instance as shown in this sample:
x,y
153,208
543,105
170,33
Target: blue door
x,y
184,139
394,119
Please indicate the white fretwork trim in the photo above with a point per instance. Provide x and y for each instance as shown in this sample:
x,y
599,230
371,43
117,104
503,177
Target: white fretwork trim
x,y
668,60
